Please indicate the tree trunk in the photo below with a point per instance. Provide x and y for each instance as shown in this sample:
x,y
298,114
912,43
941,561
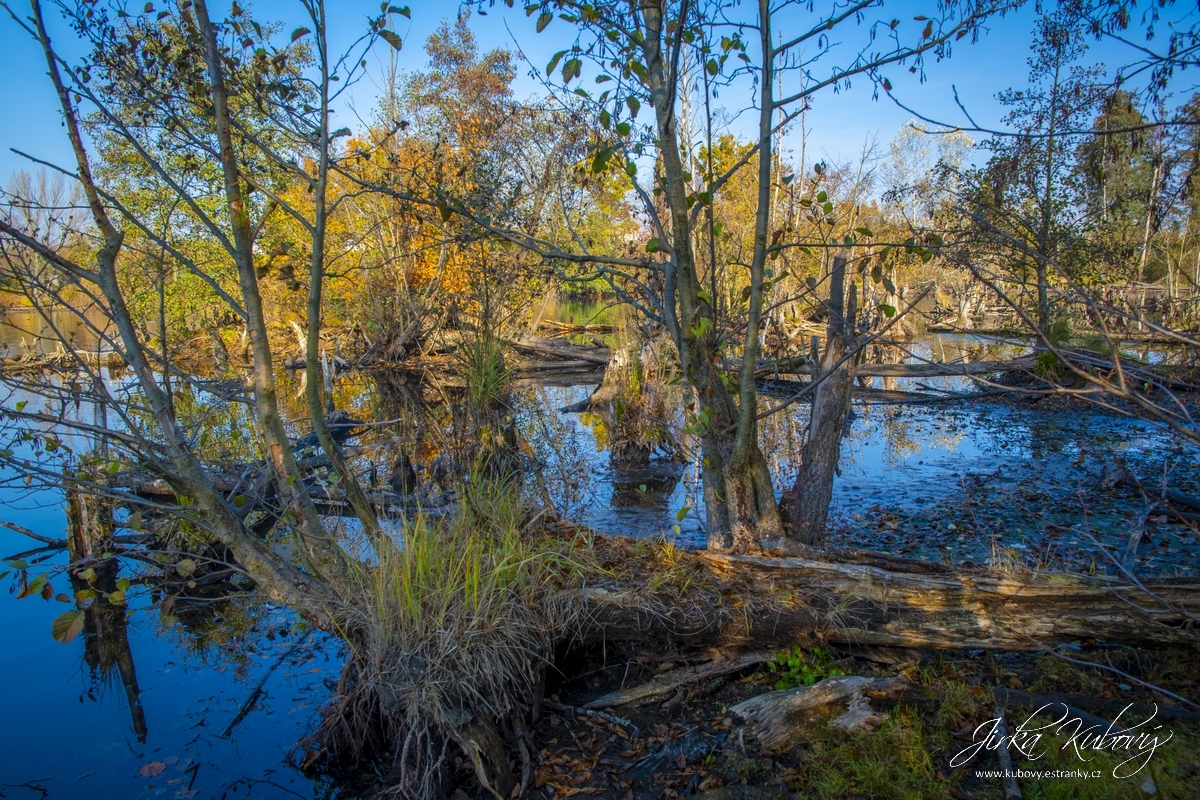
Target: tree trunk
x,y
807,504
738,492
319,549
175,461
867,598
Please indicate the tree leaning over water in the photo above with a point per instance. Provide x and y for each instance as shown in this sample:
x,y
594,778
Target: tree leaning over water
x,y
226,127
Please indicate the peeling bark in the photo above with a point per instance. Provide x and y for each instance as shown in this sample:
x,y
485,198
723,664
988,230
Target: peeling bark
x,y
871,599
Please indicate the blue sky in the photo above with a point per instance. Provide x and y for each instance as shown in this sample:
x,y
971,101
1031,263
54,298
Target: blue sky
x,y
839,124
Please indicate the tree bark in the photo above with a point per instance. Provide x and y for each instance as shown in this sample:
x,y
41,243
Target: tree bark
x,y
738,491
871,599
807,505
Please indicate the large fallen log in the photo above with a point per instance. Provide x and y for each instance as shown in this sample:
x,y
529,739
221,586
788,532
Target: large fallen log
x,y
918,370
558,349
873,599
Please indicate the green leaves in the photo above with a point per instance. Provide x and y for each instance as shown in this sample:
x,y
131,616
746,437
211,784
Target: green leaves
x,y
32,587
401,10
391,38
300,33
544,20
571,69
889,311
653,245
600,161
634,105
185,567
554,61
66,626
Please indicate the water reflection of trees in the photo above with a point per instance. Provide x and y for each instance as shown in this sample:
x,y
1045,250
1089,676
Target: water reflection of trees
x,y
106,651
645,489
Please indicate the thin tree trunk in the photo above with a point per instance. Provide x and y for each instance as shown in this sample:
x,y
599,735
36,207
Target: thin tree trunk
x,y
316,408
318,547
1147,232
278,579
738,490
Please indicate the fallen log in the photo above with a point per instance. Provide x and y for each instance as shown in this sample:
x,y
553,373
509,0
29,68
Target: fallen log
x,y
569,328
523,368
867,598
803,366
663,686
556,348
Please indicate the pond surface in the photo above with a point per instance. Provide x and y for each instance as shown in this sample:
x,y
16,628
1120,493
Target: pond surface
x,y
967,482
73,725
25,331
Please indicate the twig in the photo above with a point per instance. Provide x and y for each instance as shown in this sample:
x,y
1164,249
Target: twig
x,y
1012,790
1126,675
15,528
587,712
248,706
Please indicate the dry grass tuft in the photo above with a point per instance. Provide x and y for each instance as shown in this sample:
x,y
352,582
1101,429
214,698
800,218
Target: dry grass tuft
x,y
449,633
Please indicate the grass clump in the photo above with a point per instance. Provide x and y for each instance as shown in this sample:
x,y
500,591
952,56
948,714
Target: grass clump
x,y
448,634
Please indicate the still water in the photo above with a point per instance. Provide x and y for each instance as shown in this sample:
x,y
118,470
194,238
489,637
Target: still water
x,y
138,710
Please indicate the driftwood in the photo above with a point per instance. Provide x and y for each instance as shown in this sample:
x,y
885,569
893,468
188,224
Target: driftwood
x,y
776,720
664,686
557,348
61,359
568,328
1011,790
866,598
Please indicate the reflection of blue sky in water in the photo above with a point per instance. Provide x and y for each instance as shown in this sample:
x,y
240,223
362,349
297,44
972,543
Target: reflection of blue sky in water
x,y
900,458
